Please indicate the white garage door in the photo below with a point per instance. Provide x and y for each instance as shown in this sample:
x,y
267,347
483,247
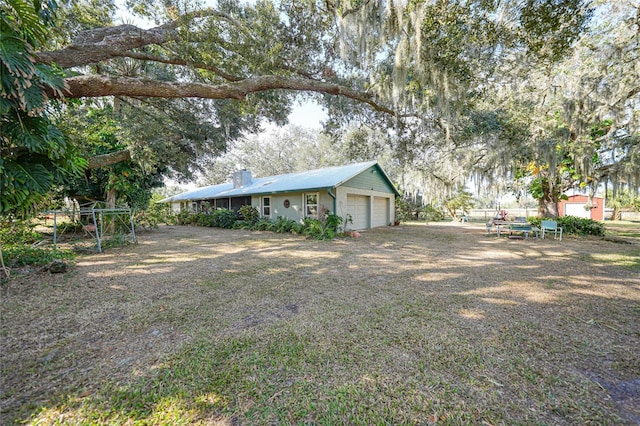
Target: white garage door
x,y
380,211
576,209
357,208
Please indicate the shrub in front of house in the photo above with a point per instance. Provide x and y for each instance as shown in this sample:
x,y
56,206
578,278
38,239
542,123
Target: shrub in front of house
x,y
224,218
249,214
204,219
324,228
185,218
283,225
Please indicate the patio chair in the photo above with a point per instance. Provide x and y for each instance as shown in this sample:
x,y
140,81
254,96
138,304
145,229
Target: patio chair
x,y
525,228
551,225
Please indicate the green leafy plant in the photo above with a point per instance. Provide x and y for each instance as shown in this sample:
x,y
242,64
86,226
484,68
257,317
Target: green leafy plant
x,y
283,225
460,201
15,231
432,214
224,218
17,238
155,214
573,225
205,219
327,227
405,209
34,155
581,226
324,228
26,255
185,218
249,214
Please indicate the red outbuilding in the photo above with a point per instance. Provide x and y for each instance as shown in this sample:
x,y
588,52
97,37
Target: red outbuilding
x,y
575,206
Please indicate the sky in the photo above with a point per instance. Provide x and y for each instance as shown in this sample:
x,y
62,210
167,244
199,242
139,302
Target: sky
x,y
308,115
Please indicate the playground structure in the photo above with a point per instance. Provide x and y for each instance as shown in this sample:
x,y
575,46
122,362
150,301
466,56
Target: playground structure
x,y
96,220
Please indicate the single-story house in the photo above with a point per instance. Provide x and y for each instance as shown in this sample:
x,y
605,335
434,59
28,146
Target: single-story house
x,y
361,191
576,205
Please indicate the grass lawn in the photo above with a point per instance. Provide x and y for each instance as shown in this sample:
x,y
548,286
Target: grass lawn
x,y
624,229
416,324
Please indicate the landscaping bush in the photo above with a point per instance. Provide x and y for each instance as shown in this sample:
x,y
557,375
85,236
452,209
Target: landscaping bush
x,y
154,215
535,221
283,225
261,225
321,229
185,218
581,226
204,219
325,228
249,214
573,225
17,232
17,238
224,218
432,214
242,224
405,209
27,255
313,228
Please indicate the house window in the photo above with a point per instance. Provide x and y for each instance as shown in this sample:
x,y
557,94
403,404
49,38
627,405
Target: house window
x,y
222,203
311,205
266,206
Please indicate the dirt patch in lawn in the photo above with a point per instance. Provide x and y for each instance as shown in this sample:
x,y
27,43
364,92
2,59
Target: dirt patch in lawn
x,y
410,324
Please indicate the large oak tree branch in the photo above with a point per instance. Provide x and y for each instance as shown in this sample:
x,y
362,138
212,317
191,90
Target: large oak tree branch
x,y
93,46
99,44
100,161
91,86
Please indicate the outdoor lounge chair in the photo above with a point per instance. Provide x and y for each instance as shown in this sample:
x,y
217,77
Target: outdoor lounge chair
x,y
551,225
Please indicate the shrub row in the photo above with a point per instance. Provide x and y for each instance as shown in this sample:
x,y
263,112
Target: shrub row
x,y
248,218
574,225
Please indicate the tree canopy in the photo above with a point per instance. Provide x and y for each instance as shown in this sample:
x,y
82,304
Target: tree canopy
x,y
535,91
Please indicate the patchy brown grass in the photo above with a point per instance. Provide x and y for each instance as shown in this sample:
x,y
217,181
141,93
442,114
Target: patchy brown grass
x,y
413,324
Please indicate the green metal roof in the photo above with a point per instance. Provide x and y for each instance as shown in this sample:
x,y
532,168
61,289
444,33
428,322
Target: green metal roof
x,y
329,177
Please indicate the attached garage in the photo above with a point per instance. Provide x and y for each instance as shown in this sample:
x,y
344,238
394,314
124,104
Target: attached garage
x,y
380,215
357,207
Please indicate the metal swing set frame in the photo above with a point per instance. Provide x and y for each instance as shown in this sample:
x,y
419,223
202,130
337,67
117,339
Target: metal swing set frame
x,y
98,215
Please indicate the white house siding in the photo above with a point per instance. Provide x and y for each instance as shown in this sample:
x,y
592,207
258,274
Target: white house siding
x,y
295,211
